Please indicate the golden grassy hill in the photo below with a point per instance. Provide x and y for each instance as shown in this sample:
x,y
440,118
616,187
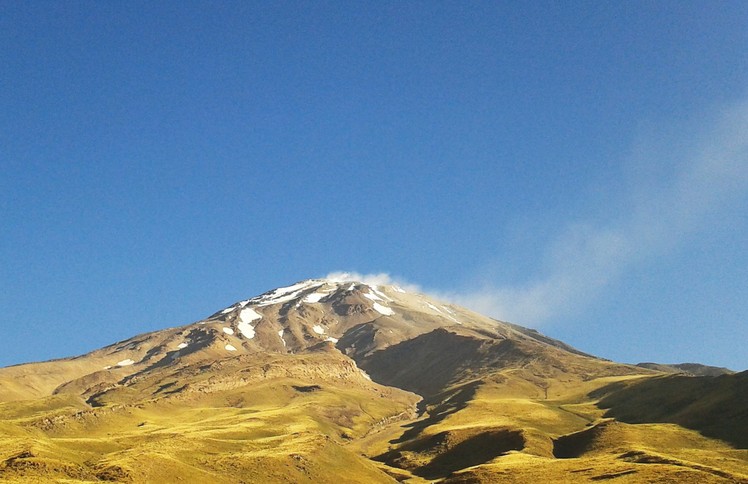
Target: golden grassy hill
x,y
278,388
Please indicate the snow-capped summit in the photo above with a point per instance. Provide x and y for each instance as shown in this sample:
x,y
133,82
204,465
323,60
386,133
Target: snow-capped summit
x,y
367,321
309,368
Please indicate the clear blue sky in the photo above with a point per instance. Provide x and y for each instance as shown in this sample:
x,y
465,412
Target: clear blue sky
x,y
578,167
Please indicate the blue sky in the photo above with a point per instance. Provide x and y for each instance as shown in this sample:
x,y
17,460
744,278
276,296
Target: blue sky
x,y
579,168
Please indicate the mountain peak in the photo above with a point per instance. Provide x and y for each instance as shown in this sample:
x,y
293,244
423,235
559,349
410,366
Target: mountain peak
x,y
324,309
321,287
379,326
326,371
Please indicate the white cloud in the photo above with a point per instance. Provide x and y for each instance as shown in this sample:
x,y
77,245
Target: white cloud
x,y
379,279
707,180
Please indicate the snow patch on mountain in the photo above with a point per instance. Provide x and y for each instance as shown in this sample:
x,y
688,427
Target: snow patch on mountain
x,y
230,348
318,329
283,294
380,293
315,297
246,329
383,309
126,362
434,308
228,330
451,314
247,316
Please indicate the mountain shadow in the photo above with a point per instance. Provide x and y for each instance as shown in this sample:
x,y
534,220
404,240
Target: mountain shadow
x,y
431,362
472,451
714,406
450,402
450,451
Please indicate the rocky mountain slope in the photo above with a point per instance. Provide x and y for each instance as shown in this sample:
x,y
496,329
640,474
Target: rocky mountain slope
x,y
333,380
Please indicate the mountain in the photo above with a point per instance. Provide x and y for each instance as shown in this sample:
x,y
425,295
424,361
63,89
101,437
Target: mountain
x,y
333,380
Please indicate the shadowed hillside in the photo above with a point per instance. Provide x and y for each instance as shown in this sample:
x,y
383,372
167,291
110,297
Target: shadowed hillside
x,y
715,406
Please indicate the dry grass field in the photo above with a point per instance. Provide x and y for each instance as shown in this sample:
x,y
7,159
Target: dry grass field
x,y
485,433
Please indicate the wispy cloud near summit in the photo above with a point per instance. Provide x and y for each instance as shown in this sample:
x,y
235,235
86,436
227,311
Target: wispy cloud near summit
x,y
707,180
381,278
